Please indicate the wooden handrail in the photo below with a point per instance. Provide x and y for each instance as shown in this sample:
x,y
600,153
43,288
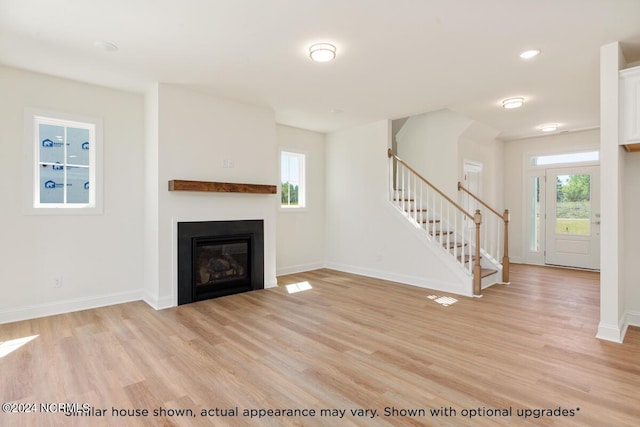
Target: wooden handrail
x,y
479,200
426,181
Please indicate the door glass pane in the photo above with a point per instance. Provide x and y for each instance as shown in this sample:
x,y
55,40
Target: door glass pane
x,y
534,238
573,204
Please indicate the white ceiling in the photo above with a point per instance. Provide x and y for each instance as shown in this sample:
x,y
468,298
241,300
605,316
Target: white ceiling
x,y
395,57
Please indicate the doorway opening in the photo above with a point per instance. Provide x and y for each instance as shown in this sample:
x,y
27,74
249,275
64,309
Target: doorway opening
x,y
563,210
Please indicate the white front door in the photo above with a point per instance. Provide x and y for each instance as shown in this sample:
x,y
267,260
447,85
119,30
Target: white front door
x,y
573,217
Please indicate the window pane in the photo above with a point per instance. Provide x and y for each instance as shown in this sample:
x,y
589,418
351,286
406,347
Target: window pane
x,y
535,215
573,204
78,146
51,184
291,168
51,143
77,185
589,156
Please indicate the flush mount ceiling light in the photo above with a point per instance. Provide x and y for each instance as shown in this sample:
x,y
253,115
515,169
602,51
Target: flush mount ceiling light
x,y
512,103
549,127
528,54
106,46
322,52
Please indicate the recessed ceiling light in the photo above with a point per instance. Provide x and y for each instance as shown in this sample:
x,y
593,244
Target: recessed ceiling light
x,y
512,103
106,46
549,127
322,52
528,54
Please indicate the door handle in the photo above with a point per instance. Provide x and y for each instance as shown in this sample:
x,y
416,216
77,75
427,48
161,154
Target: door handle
x,y
596,222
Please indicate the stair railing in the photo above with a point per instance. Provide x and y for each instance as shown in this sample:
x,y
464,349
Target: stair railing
x,y
496,233
445,221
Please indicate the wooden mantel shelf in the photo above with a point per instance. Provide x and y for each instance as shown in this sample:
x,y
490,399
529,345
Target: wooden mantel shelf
x,y
633,147
220,187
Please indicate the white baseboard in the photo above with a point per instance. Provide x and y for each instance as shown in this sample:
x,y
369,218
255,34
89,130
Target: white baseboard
x,y
283,271
614,333
632,318
401,278
158,303
271,283
617,333
60,307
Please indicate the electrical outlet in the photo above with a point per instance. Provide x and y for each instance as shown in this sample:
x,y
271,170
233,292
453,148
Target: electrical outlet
x,y
227,163
57,282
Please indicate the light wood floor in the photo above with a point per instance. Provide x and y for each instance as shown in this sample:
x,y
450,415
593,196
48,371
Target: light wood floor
x,y
349,342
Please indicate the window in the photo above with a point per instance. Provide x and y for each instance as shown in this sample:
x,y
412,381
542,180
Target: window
x,y
292,174
534,228
63,162
555,159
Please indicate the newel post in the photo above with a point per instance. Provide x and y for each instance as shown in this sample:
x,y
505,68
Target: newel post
x,y
477,270
505,257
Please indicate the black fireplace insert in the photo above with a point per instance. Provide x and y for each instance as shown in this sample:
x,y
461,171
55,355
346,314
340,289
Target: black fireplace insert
x,y
219,258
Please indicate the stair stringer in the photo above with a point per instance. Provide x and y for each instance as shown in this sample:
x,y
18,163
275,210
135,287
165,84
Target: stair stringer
x,y
462,281
487,262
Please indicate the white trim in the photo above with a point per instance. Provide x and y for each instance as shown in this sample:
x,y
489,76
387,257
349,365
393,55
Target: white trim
x,y
158,303
301,268
454,288
30,157
61,307
270,282
632,318
613,333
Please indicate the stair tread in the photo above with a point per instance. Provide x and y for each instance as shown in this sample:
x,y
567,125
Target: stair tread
x,y
453,245
440,232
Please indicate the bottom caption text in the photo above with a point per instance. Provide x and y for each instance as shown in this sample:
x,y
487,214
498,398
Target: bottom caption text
x,y
88,410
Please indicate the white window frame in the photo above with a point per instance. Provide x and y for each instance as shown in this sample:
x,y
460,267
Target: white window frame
x,y
31,189
302,186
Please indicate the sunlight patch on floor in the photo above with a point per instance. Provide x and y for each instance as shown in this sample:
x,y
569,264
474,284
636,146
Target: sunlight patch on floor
x,y
298,287
444,301
7,347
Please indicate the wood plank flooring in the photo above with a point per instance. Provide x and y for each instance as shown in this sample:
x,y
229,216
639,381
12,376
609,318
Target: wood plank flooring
x,y
348,343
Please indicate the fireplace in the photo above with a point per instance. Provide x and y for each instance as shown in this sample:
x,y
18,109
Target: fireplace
x,y
219,258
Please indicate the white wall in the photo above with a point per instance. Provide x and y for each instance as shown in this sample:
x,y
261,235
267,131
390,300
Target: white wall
x,y
300,232
98,256
364,233
429,144
196,134
515,156
478,144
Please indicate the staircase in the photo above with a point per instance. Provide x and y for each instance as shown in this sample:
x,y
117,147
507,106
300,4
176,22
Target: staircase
x,y
480,250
